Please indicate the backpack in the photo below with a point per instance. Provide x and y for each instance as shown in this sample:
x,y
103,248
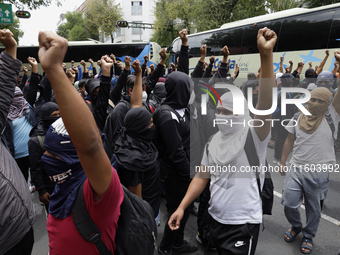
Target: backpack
x,y
136,230
41,139
331,126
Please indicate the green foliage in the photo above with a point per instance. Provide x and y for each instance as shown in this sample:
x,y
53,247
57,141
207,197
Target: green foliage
x,y
200,15
77,28
30,4
281,5
103,14
14,28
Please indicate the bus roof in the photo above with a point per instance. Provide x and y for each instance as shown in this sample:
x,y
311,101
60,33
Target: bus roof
x,y
271,16
83,43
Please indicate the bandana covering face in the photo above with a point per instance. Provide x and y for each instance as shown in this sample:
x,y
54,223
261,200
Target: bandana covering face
x,y
66,172
19,104
229,142
310,123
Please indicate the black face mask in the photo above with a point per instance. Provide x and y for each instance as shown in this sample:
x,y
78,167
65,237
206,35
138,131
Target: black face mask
x,y
48,121
149,134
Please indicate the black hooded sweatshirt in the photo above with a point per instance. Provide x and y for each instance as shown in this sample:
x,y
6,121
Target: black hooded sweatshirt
x,y
99,102
174,136
38,174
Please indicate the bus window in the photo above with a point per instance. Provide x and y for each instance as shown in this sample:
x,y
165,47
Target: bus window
x,y
196,42
305,32
231,37
250,40
176,46
250,35
334,38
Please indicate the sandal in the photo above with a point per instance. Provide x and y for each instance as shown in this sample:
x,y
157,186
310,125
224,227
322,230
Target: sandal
x,y
289,234
306,246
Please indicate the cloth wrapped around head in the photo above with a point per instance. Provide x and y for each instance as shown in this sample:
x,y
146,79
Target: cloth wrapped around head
x,y
63,168
19,104
134,149
229,142
310,123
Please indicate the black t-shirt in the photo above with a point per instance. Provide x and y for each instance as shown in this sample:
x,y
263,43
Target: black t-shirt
x,y
151,185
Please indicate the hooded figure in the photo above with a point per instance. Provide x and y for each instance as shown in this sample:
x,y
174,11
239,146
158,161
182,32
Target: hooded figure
x,y
174,141
92,84
39,177
19,104
178,90
134,149
325,79
158,93
65,171
20,120
287,80
137,156
46,120
310,123
310,77
228,143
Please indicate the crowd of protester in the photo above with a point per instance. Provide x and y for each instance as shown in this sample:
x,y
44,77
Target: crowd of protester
x,y
117,127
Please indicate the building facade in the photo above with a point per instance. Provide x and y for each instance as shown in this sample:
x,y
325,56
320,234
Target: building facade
x,y
141,11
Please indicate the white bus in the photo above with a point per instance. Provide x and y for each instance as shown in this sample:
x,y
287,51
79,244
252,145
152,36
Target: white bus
x,y
303,35
83,50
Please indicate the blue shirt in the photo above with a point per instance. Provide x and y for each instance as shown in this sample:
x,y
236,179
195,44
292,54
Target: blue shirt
x,y
21,130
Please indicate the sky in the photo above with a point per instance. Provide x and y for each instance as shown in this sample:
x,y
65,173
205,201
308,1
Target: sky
x,y
42,19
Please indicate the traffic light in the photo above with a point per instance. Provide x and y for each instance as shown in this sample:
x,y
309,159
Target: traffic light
x,y
122,23
23,14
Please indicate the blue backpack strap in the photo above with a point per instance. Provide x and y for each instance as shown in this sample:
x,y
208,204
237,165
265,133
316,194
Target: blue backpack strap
x,y
84,224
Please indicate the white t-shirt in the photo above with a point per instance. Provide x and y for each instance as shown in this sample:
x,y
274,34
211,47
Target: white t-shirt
x,y
315,148
235,196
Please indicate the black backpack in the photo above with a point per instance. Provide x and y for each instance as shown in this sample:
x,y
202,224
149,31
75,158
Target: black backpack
x,y
136,232
156,138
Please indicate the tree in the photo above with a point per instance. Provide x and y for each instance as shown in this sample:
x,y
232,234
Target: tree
x,y
200,15
77,28
31,4
281,5
14,28
162,23
104,14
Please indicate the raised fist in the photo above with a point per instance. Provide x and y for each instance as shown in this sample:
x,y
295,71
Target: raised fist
x,y
266,39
